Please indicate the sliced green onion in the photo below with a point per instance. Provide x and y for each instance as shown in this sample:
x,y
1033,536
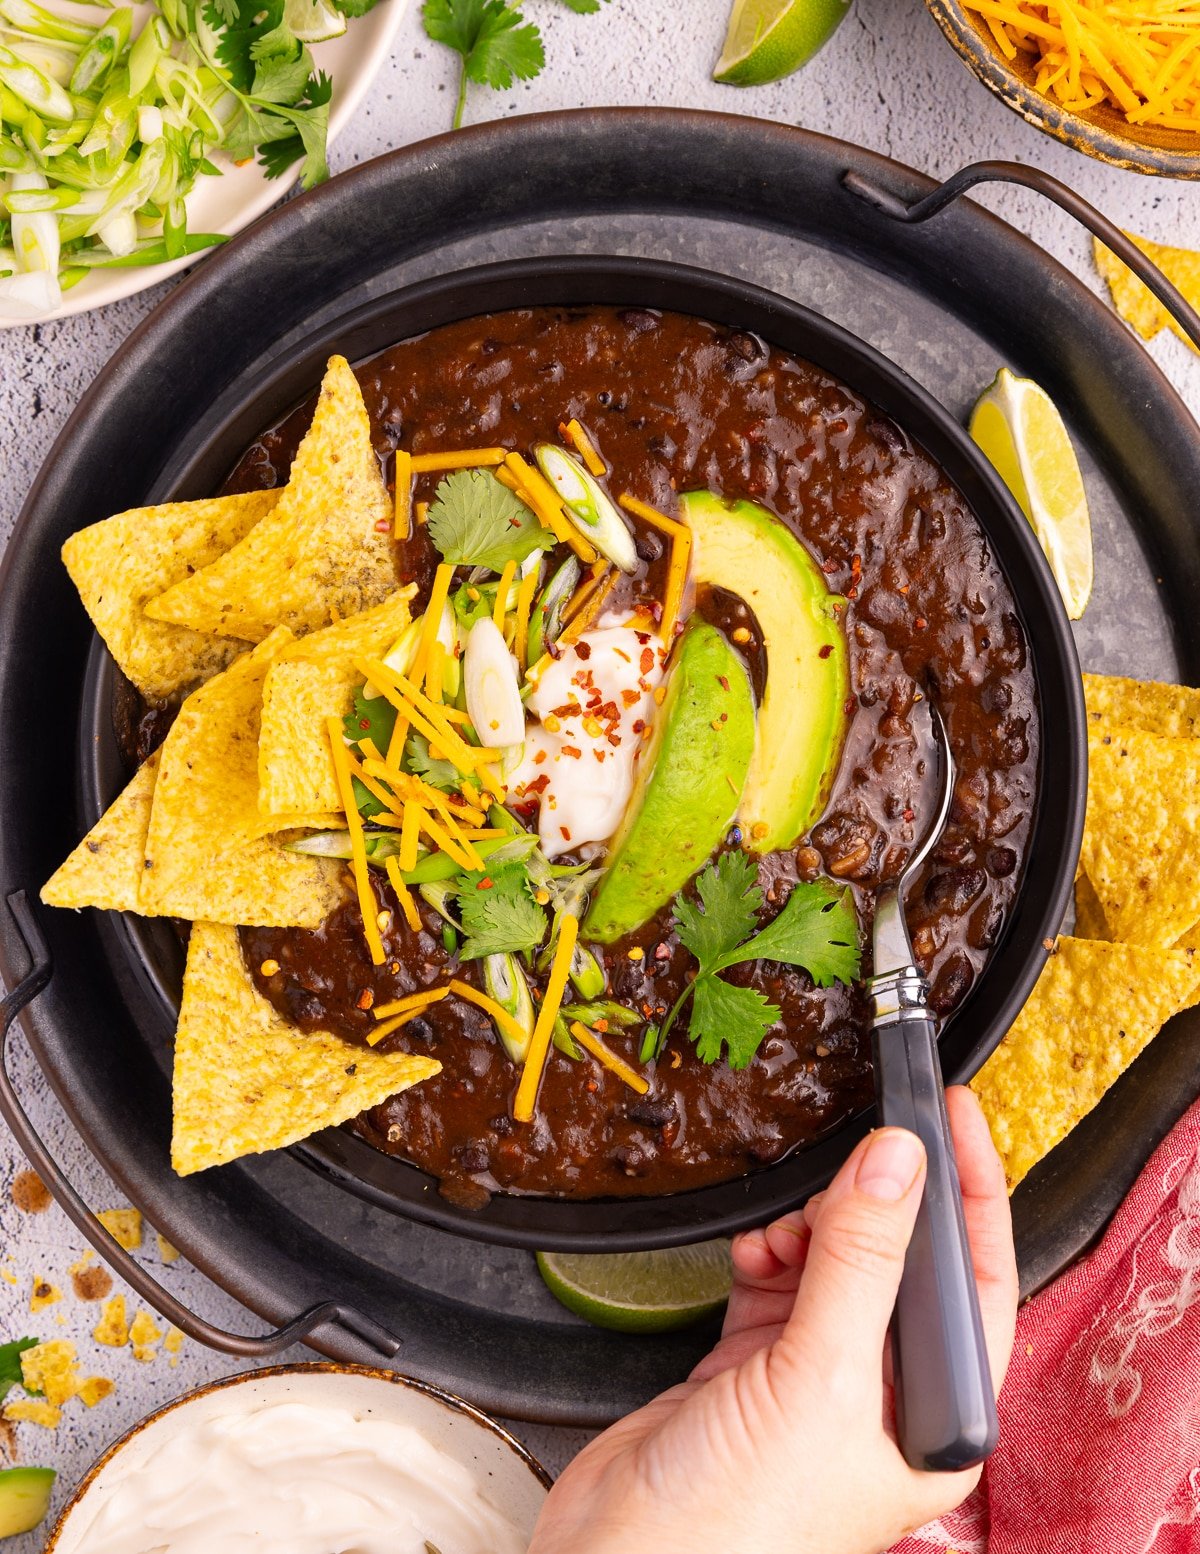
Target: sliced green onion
x,y
34,87
652,1044
505,982
604,1009
493,691
30,18
587,505
586,973
545,622
565,1042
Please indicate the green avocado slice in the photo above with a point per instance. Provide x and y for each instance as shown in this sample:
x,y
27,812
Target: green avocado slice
x,y
688,783
24,1498
741,547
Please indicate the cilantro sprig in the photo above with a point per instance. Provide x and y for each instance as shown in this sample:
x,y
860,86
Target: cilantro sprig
x,y
496,44
817,929
497,912
475,521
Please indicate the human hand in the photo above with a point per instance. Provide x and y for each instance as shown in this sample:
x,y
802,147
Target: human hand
x,y
782,1440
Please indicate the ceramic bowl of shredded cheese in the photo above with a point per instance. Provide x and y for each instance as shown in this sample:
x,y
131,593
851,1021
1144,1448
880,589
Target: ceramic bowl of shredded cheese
x,y
1116,79
308,1459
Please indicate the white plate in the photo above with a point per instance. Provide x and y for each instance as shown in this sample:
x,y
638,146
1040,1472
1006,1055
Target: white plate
x,y
232,201
512,1480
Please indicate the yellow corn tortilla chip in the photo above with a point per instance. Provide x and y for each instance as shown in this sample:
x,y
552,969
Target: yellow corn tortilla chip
x,y
1136,304
1172,711
246,1080
204,857
106,869
1090,921
283,827
122,562
322,553
1095,1007
1141,838
312,680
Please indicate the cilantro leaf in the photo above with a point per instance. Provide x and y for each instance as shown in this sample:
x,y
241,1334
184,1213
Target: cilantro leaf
x,y
438,774
476,521
10,1363
496,43
373,718
730,896
816,929
356,7
582,7
497,912
309,119
738,1017
239,25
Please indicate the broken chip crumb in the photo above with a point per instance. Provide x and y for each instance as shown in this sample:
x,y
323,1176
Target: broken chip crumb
x,y
172,1344
49,1368
8,1276
95,1389
166,1251
144,1335
33,1411
124,1226
43,1294
112,1328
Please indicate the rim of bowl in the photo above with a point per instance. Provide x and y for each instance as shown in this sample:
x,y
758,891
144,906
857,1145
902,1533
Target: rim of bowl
x,y
1102,134
448,1400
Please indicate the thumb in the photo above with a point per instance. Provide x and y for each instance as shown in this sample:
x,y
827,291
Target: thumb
x,y
856,1254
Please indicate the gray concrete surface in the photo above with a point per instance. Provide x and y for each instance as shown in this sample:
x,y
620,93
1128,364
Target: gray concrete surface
x,y
888,81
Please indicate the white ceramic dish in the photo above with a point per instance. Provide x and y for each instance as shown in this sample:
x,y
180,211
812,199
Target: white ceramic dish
x,y
241,194
507,1475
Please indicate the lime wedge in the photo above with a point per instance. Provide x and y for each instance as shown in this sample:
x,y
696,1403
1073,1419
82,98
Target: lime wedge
x,y
313,21
768,39
1017,426
641,1292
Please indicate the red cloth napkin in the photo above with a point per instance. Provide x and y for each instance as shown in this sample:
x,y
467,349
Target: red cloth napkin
x,y
1100,1414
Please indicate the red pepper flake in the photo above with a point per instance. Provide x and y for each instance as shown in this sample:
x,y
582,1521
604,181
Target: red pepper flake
x,y
646,663
908,815
382,525
723,681
573,751
852,593
614,739
829,567
639,725
365,999
630,698
485,883
364,723
601,755
662,952
826,650
920,623
539,784
566,835
583,650
539,757
903,589
642,636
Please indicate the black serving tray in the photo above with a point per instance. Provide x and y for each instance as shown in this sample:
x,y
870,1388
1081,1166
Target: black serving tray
x,y
949,302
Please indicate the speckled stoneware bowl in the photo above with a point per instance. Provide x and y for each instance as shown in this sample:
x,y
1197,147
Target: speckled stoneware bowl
x,y
1102,133
513,1480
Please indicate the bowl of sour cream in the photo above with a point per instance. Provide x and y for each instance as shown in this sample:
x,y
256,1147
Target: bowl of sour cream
x,y
308,1459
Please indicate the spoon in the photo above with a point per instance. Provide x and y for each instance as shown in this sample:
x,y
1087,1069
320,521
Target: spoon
x,y
945,1402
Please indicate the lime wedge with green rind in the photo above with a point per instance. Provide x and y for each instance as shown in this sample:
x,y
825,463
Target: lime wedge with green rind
x,y
769,39
1020,430
641,1292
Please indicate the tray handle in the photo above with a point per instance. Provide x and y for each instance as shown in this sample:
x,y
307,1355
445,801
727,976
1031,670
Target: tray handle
x,y
333,1312
913,211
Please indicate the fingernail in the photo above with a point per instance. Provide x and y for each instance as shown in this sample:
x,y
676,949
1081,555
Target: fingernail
x,y
890,1164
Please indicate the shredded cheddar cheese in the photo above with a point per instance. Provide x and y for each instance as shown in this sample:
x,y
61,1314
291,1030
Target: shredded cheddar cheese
x,y
402,527
1141,57
543,1030
590,1042
408,835
584,447
403,895
502,591
457,458
489,1006
358,849
536,490
412,1002
524,608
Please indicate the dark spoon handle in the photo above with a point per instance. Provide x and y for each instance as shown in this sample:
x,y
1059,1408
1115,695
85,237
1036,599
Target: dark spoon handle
x,y
945,1402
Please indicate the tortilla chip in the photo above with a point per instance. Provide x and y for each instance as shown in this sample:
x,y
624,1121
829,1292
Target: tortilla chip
x,y
246,1080
1095,1007
1141,839
324,552
1090,921
1136,304
124,1226
284,827
1172,711
312,680
113,1326
49,1368
106,869
204,857
123,562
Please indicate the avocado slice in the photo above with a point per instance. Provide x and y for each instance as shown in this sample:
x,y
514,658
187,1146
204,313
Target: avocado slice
x,y
24,1498
741,547
688,783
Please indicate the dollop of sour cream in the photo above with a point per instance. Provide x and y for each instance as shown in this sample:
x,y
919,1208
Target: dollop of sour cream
x,y
591,710
296,1478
